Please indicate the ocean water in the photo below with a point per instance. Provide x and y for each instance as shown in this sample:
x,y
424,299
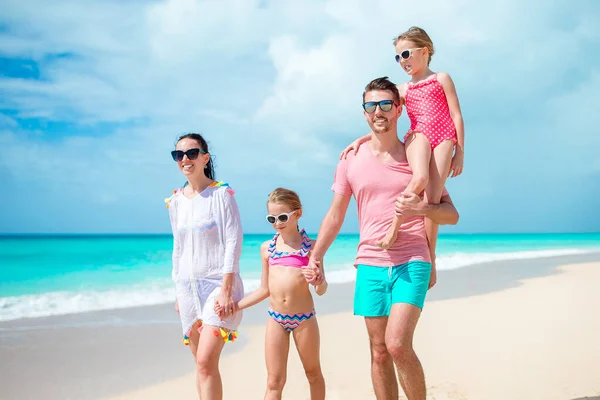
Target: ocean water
x,y
52,275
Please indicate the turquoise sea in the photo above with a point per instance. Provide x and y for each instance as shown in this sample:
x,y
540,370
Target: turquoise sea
x,y
49,275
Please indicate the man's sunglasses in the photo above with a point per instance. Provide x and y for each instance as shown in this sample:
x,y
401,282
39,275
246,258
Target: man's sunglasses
x,y
283,217
406,54
191,154
384,105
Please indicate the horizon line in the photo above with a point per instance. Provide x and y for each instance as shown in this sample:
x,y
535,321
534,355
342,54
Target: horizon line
x,y
13,234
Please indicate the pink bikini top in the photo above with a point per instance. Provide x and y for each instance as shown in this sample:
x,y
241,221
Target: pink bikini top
x,y
296,259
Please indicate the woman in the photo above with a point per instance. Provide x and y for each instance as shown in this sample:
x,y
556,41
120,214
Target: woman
x,y
206,249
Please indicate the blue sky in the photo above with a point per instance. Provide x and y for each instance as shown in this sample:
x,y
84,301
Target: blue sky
x,y
95,93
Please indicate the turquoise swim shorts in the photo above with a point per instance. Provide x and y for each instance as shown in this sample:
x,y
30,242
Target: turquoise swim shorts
x,y
377,288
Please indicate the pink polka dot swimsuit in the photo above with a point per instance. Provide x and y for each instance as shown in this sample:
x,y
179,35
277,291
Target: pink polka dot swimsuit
x,y
428,111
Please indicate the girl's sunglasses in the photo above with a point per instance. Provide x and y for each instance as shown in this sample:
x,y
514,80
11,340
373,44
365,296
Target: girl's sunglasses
x,y
406,54
191,154
384,105
283,217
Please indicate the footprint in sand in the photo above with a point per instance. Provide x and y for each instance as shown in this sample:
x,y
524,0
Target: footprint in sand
x,y
445,391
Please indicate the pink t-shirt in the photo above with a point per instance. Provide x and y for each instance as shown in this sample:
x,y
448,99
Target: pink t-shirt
x,y
375,187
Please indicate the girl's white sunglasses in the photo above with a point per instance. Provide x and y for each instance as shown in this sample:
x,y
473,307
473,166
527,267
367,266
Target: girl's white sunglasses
x,y
406,54
283,217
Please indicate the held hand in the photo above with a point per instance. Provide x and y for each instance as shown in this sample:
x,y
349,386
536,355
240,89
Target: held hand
x,y
225,300
312,272
409,204
319,277
218,309
308,271
456,168
176,306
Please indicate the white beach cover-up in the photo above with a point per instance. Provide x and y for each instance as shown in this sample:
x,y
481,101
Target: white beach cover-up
x,y
207,243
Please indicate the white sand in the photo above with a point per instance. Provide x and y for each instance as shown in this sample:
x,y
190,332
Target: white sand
x,y
540,340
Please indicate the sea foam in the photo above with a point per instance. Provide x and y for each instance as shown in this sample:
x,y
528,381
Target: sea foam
x,y
162,291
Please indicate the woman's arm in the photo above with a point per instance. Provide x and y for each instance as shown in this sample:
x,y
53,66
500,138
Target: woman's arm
x,y
233,234
233,237
176,243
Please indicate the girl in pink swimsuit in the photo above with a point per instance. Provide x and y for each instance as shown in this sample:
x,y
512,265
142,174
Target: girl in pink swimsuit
x,y
285,276
435,140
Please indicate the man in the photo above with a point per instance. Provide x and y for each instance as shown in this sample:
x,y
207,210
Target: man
x,y
390,284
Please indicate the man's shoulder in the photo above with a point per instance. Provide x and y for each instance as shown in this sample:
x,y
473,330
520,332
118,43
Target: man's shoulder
x,y
358,156
347,163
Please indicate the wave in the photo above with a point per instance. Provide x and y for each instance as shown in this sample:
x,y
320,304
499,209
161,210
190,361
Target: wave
x,y
459,260
161,292
60,303
347,273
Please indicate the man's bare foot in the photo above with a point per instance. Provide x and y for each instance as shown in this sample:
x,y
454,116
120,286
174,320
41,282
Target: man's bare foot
x,y
388,241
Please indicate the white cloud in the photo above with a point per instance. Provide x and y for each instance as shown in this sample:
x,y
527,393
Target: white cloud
x,y
272,84
576,123
496,53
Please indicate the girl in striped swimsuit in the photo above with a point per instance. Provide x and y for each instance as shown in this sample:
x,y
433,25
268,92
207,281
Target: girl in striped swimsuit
x,y
285,276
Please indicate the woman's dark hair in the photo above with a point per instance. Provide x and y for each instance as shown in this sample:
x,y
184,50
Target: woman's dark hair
x,y
209,171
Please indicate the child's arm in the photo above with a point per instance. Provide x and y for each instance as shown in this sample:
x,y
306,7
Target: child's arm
x,y
355,145
455,113
257,295
263,291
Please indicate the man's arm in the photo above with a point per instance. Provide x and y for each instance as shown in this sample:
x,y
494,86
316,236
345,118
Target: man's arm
x,y
331,225
409,204
444,213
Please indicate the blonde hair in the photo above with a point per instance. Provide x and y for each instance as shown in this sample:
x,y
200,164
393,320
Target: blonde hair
x,y
285,196
419,37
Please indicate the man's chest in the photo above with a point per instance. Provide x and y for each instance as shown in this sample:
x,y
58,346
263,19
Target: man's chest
x,y
377,176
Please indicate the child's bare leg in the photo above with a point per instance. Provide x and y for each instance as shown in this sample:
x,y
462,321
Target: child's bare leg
x,y
438,173
308,342
392,233
277,347
418,153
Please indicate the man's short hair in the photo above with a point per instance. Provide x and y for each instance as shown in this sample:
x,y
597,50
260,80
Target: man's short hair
x,y
383,83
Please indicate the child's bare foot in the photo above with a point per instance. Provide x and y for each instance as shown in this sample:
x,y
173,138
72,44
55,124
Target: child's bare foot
x,y
388,240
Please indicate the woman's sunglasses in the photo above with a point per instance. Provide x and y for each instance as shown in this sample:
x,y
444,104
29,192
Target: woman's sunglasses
x,y
191,154
406,54
283,217
384,105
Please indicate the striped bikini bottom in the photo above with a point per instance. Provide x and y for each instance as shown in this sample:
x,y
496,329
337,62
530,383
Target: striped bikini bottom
x,y
289,322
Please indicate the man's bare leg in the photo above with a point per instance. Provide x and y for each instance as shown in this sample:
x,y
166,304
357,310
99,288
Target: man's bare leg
x,y
399,342
383,375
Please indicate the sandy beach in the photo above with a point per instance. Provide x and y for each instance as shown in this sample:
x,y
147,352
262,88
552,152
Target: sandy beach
x,y
508,330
